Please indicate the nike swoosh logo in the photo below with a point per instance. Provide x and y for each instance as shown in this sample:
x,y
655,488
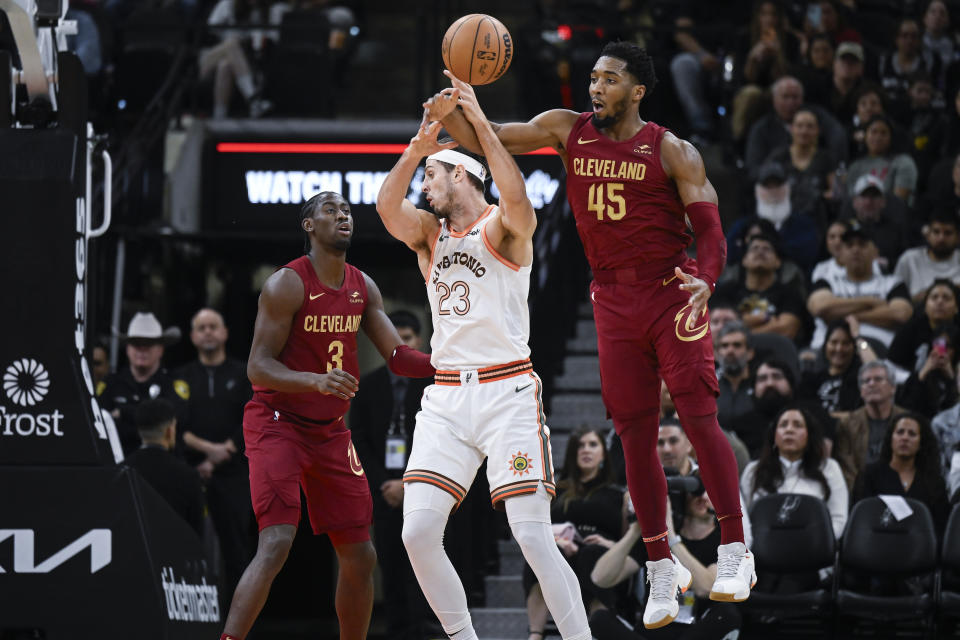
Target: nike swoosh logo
x,y
667,281
519,389
314,297
582,141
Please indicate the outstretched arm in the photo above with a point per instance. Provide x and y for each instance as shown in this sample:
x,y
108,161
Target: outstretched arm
x,y
404,221
279,302
402,360
549,129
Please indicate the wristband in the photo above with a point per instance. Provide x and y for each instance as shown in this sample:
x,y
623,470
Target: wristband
x,y
410,363
711,245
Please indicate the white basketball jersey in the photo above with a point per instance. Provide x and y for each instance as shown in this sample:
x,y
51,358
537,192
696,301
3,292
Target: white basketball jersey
x,y
478,299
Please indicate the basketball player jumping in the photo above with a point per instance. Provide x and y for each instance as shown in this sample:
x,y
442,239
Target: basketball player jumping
x,y
303,366
632,186
486,401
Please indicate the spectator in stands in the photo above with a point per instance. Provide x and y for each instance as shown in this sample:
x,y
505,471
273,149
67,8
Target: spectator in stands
x,y
796,230
816,71
793,461
735,349
869,101
950,145
898,171
172,478
946,427
909,466
764,304
912,342
953,477
772,130
228,62
847,76
835,385
933,387
925,125
937,37
938,259
144,377
99,366
595,510
720,314
886,218
774,386
860,435
216,389
691,544
833,241
907,58
382,419
768,47
828,18
810,167
881,303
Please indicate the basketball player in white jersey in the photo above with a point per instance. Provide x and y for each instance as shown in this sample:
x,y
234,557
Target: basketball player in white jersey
x,y
486,402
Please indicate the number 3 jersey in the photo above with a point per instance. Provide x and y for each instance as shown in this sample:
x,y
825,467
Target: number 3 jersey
x,y
478,299
627,209
323,336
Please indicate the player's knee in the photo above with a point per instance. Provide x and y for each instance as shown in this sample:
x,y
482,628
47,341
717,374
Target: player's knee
x,y
421,531
531,535
357,560
273,549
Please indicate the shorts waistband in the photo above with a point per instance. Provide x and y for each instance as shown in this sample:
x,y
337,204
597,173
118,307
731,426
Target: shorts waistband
x,y
638,272
479,376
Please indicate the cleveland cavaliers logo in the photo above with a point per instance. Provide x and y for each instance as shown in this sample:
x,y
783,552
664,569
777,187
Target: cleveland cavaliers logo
x,y
354,460
520,463
686,325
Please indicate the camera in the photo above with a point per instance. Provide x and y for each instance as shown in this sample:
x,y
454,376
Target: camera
x,y
678,486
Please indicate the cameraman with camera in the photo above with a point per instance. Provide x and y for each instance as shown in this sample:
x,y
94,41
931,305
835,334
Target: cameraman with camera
x,y
699,618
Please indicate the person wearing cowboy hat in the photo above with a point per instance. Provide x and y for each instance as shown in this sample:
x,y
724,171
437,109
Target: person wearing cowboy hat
x,y
144,377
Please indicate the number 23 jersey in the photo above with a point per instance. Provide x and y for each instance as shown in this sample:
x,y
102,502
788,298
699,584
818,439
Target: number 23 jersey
x,y
627,208
478,300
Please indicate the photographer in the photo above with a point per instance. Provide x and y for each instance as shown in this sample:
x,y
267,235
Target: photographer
x,y
698,536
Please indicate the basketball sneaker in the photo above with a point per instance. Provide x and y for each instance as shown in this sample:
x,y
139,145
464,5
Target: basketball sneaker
x,y
735,573
665,577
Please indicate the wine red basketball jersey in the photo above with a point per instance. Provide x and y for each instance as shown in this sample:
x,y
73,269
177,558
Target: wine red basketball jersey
x,y
323,336
627,209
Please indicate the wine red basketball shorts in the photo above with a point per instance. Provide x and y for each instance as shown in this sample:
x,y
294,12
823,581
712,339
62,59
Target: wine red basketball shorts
x,y
286,455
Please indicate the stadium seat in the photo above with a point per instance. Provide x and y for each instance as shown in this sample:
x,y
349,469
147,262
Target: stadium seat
x,y
888,568
949,602
792,538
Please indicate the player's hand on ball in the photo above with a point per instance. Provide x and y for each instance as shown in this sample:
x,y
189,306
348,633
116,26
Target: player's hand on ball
x,y
425,142
468,100
440,105
337,382
698,289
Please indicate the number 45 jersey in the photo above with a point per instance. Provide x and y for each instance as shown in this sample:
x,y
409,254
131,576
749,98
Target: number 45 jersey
x,y
478,299
627,209
323,336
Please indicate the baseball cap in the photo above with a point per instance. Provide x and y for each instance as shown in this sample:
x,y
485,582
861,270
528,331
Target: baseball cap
x,y
867,181
771,172
854,49
856,229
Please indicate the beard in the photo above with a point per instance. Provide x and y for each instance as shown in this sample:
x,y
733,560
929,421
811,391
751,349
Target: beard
x,y
342,244
774,207
733,366
942,253
770,402
616,114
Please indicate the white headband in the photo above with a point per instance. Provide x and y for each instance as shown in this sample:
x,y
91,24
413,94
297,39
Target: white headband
x,y
455,157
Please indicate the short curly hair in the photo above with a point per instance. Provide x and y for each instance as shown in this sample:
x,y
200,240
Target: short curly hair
x,y
639,62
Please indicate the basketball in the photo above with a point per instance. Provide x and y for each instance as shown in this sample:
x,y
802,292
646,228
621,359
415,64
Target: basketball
x,y
477,48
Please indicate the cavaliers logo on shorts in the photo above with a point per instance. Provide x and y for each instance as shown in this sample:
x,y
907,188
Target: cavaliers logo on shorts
x,y
354,460
686,325
520,463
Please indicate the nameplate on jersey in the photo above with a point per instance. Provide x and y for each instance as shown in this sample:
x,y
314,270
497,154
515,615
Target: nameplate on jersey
x,y
461,258
603,168
331,324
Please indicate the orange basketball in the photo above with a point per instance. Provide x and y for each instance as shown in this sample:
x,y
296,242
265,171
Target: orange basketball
x,y
477,48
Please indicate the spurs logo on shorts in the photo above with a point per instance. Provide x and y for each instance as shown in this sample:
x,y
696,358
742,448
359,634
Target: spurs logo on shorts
x,y
520,463
686,329
354,460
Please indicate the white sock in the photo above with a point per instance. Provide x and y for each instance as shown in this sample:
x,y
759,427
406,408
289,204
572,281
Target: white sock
x,y
529,518
245,84
425,513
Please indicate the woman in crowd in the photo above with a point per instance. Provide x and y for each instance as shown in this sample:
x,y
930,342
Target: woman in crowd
x,y
816,72
589,514
809,167
897,170
909,466
912,343
835,386
870,103
933,387
793,461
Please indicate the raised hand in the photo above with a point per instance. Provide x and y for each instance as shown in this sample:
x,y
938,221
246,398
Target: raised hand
x,y
440,105
468,100
425,142
336,382
699,292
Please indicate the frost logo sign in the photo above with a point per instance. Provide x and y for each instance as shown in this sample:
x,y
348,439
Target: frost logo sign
x,y
26,382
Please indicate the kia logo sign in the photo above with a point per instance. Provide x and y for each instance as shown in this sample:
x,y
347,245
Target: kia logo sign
x,y
100,542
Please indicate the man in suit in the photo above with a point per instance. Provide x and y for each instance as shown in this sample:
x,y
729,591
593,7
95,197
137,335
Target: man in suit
x,y
171,477
382,418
